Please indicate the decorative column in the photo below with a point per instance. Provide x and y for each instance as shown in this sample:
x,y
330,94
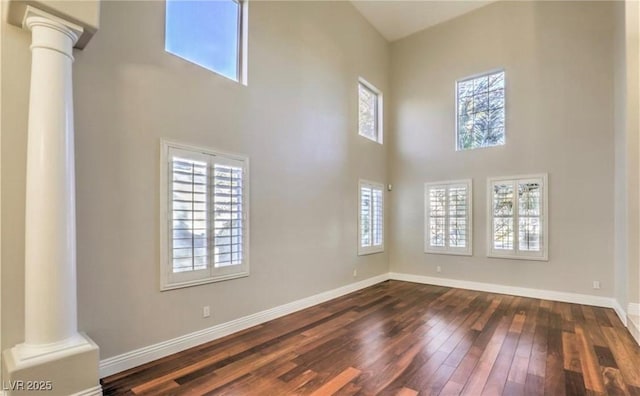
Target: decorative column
x,y
52,346
50,241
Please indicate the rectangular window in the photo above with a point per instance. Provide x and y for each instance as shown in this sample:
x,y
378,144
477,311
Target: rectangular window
x,y
518,217
480,111
369,111
204,201
448,217
211,34
371,218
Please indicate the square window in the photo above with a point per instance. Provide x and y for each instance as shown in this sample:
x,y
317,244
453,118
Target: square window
x,y
204,200
480,111
369,111
207,33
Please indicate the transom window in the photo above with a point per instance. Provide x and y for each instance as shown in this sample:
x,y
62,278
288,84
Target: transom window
x,y
369,111
518,213
204,201
211,34
480,111
448,218
371,218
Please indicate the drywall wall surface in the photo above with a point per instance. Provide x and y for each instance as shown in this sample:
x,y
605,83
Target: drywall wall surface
x,y
621,241
558,62
16,69
296,121
632,30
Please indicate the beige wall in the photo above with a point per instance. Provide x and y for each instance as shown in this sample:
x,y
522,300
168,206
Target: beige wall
x,y
632,61
296,121
621,240
16,60
558,59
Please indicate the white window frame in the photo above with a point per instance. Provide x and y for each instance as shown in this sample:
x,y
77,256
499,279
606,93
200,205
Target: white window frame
x,y
457,107
379,110
516,253
168,279
364,250
243,46
461,251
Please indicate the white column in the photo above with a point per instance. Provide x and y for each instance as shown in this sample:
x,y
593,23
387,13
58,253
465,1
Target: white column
x,y
53,350
50,241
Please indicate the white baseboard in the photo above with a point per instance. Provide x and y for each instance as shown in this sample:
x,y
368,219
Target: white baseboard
x,y
585,299
95,391
147,354
620,312
633,309
634,327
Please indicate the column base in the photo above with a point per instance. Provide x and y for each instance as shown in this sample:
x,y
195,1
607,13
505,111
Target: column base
x,y
67,368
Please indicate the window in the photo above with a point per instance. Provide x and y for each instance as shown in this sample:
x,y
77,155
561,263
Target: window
x,y
204,207
518,213
448,217
371,222
369,111
211,34
480,111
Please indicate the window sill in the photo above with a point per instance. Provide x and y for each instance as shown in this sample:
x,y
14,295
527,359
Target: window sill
x,y
449,252
518,257
370,251
165,286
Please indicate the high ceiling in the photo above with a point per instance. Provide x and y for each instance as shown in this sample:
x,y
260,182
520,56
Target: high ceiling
x,y
396,19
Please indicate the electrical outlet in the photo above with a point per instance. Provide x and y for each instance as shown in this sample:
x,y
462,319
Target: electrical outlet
x,y
596,284
206,311
438,269
355,272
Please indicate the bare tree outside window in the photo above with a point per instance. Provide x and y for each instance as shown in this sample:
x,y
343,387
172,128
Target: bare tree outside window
x,y
480,111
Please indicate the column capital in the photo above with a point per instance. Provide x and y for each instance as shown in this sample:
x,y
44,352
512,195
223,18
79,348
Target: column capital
x,y
35,17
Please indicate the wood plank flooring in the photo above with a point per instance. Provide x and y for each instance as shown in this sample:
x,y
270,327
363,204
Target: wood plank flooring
x,y
400,338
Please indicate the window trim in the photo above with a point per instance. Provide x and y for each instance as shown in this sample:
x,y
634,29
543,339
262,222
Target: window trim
x,y
366,250
241,75
515,253
379,110
471,77
190,278
468,250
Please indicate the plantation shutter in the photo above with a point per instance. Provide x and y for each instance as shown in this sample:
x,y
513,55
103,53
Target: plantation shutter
x,y
228,219
518,217
188,219
206,207
371,218
448,217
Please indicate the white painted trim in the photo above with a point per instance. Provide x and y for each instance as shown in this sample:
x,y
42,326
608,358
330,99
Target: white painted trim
x,y
379,110
149,353
620,312
366,250
634,327
575,298
428,249
516,253
171,281
95,391
457,106
633,309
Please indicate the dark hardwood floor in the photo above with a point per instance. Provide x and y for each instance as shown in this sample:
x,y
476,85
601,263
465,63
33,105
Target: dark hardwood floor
x,y
399,338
